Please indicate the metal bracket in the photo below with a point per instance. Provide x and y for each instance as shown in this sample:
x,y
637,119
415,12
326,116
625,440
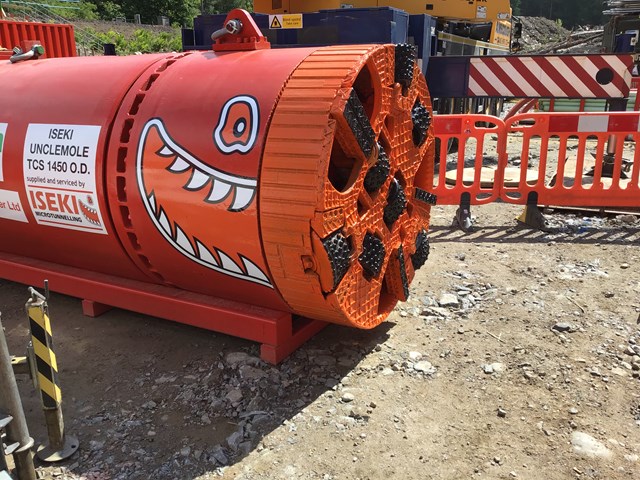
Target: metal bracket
x,y
20,366
33,54
608,166
240,33
425,197
532,216
463,213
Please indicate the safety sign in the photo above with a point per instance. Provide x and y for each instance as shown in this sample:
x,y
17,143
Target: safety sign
x,y
59,168
279,22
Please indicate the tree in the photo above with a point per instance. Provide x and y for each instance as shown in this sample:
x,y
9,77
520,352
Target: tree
x,y
179,11
224,6
515,6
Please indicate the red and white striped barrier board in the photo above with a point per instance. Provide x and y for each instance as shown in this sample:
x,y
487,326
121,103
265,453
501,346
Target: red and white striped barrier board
x,y
594,123
544,76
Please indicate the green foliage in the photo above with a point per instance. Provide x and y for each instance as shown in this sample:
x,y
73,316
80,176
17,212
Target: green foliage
x,y
181,12
224,6
143,41
71,10
515,5
109,10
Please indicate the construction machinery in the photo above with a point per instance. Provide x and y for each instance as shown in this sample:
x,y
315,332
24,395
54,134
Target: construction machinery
x,y
438,28
245,188
250,183
622,31
486,21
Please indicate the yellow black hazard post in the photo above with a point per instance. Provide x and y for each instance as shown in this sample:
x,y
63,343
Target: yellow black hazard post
x,y
60,445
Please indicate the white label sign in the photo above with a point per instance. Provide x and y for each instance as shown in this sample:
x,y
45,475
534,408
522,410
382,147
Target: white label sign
x,y
11,207
481,12
60,176
3,137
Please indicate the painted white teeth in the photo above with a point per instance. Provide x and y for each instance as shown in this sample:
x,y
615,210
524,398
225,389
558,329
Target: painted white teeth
x,y
183,241
219,191
197,181
242,198
164,222
152,202
205,255
253,270
179,165
229,264
200,174
166,152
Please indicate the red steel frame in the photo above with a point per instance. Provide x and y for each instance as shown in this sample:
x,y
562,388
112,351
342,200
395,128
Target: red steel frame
x,y
280,333
57,39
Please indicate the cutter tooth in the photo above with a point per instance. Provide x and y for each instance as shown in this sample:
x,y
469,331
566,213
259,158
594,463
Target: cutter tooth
x,y
166,152
219,191
228,264
164,222
197,181
205,255
179,165
254,271
152,202
242,198
183,241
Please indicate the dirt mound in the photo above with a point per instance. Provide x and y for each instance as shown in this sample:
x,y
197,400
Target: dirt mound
x,y
540,32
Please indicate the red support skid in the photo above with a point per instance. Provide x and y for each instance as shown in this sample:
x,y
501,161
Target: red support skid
x,y
94,309
279,332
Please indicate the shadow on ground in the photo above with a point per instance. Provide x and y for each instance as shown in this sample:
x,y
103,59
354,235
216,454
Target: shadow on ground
x,y
155,399
523,234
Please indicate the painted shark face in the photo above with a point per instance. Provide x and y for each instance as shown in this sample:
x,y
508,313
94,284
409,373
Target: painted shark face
x,y
178,190
89,212
237,129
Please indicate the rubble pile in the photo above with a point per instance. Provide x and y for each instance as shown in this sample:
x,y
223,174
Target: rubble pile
x,y
541,36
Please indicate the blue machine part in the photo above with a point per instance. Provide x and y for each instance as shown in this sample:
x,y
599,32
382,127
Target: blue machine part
x,y
422,32
345,26
448,77
342,26
625,42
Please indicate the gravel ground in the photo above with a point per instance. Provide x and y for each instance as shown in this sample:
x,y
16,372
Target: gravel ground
x,y
517,356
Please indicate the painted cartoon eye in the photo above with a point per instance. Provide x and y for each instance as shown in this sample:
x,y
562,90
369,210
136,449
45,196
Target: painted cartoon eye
x,y
237,128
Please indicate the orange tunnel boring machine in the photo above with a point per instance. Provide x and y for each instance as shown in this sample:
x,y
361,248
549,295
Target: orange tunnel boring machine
x,y
291,179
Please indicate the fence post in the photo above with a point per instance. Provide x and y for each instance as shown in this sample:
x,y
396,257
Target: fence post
x,y
60,445
17,430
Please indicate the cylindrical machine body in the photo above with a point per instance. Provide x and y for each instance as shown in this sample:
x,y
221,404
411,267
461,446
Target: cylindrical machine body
x,y
224,174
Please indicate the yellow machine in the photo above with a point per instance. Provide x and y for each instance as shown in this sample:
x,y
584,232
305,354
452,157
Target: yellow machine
x,y
494,12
